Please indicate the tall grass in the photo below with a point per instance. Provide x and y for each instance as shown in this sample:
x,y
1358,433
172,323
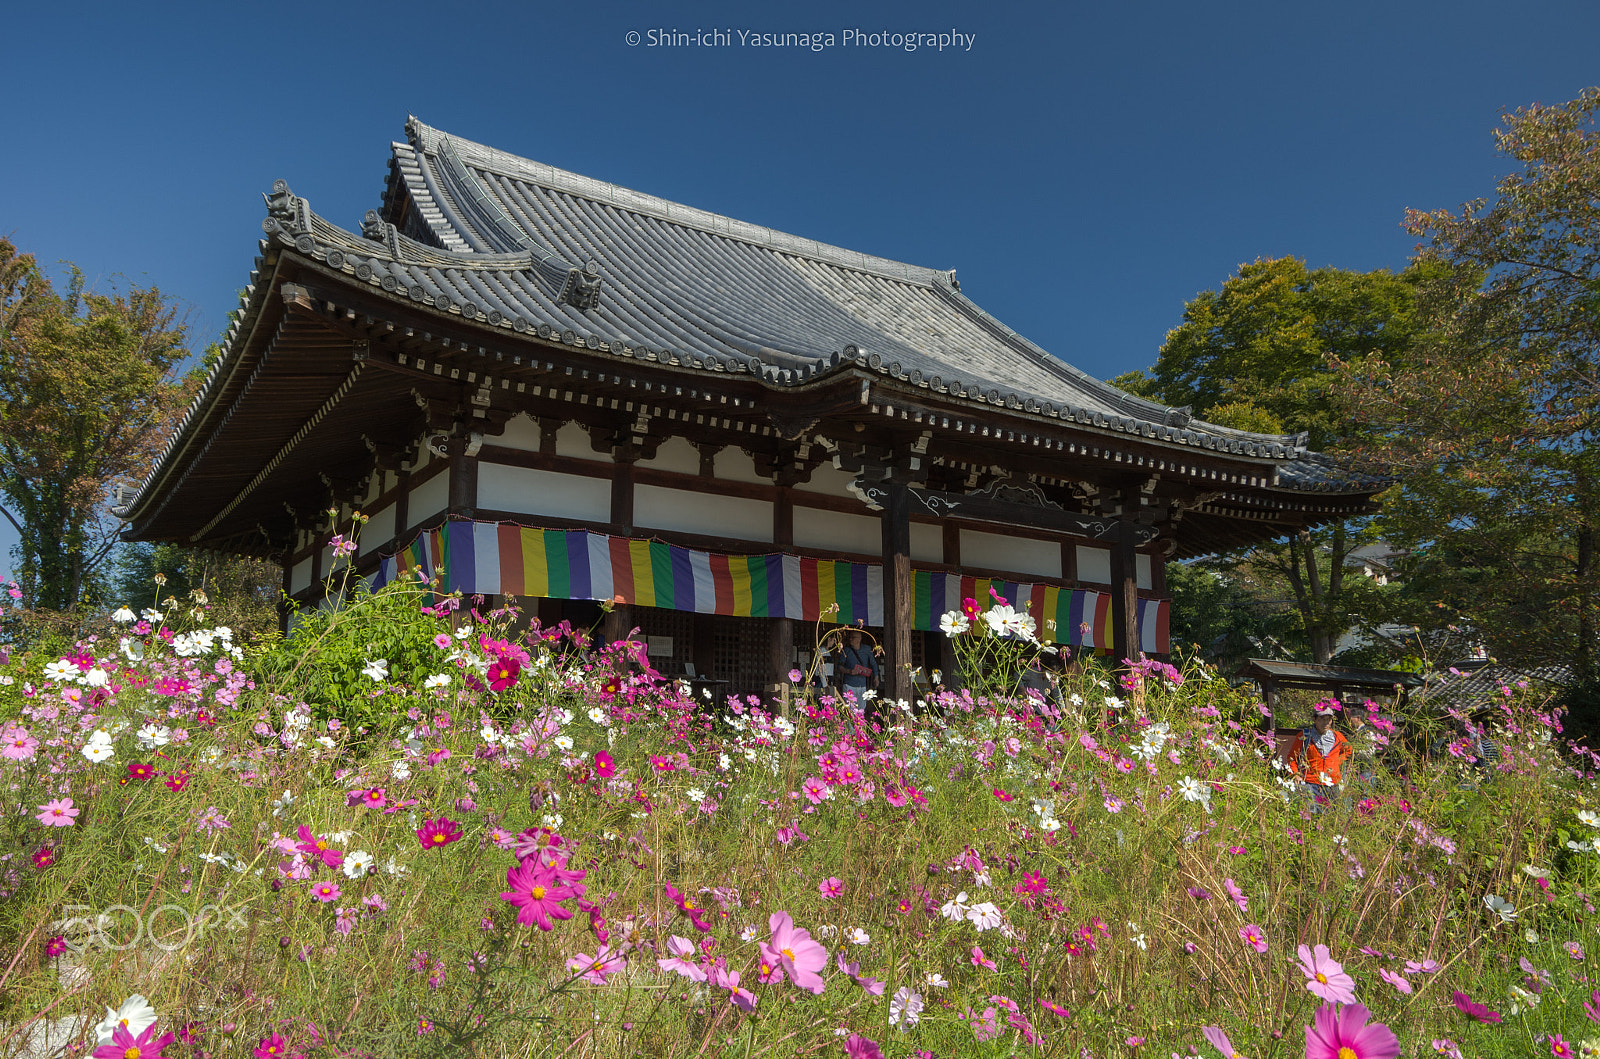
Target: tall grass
x,y
1127,848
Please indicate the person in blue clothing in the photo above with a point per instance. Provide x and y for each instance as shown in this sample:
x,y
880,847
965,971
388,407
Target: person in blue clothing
x,y
857,668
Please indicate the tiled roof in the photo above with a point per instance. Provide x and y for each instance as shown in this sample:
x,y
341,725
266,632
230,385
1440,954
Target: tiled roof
x,y
489,237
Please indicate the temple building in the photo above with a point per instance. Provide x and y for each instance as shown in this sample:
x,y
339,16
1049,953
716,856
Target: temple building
x,y
545,386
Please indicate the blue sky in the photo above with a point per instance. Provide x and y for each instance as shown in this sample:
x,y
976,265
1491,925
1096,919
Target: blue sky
x,y
1086,168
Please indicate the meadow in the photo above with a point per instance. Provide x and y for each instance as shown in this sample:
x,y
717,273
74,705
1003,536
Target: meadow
x,y
413,828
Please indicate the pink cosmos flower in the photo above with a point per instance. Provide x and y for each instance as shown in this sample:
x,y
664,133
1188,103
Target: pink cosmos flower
x,y
597,968
980,960
814,790
1325,976
1421,967
55,946
18,745
1343,1033
538,890
313,845
852,969
57,813
125,1045
859,1047
1254,937
687,906
1573,949
985,1027
1220,1042
1001,795
1237,894
1475,1011
1560,1048
682,959
1395,980
796,952
325,892
605,766
830,887
436,833
723,978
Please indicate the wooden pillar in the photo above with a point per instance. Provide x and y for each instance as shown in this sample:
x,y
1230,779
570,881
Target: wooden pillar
x,y
1069,563
897,592
705,655
782,628
1124,594
617,624
622,497
949,668
463,481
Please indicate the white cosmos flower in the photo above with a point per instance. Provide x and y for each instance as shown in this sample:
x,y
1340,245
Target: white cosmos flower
x,y
1501,907
438,680
695,794
599,716
954,623
153,735
1588,816
132,650
562,742
61,669
956,908
98,752
985,916
905,1007
357,864
135,1014
377,669
1193,790
1537,873
401,771
122,615
858,936
935,980
282,803
749,933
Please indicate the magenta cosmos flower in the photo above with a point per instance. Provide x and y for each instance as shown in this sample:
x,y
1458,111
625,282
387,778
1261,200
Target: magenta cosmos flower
x,y
796,952
538,890
1474,1010
436,833
605,766
503,673
1325,976
125,1045
58,813
272,1046
859,1047
325,891
319,848
597,968
1254,937
831,887
1343,1033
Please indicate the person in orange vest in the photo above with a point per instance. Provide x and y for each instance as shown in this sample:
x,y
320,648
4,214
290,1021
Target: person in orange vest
x,y
1317,753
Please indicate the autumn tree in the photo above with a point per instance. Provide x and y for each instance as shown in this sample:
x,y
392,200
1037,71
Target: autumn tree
x,y
1492,420
1256,355
88,393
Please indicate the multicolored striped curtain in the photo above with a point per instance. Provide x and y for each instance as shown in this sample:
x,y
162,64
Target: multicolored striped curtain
x,y
503,558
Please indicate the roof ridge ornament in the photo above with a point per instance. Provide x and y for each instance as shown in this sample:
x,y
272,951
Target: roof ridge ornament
x,y
286,211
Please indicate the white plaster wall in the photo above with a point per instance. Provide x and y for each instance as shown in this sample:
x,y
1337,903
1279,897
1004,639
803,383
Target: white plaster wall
x,y
675,454
1023,555
827,479
836,531
378,531
572,440
429,498
927,543
687,512
300,575
534,492
522,432
1094,564
735,465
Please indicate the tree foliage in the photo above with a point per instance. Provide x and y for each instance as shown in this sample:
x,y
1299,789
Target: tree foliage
x,y
1492,420
1255,355
88,394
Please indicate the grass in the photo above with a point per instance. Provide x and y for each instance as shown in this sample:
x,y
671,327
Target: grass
x,y
1107,851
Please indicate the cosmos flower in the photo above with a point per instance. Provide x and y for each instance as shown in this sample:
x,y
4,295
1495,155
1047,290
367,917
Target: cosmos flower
x,y
801,957
538,890
1325,976
1344,1033
59,812
434,834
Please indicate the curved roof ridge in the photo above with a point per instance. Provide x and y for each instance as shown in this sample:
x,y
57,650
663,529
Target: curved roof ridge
x,y
428,140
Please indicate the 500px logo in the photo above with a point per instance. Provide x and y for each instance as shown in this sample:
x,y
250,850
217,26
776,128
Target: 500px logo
x,y
168,927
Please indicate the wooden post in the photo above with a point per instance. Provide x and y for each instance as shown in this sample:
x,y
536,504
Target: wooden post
x,y
897,592
463,481
949,668
622,496
1124,594
782,628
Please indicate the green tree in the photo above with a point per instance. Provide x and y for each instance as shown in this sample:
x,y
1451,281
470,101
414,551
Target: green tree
x,y
1492,421
1256,355
88,393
